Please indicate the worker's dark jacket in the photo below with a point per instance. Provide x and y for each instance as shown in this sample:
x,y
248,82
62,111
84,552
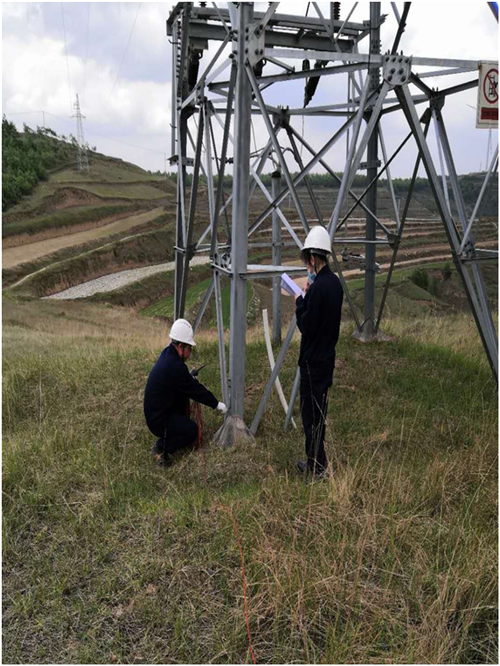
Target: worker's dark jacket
x,y
318,318
169,387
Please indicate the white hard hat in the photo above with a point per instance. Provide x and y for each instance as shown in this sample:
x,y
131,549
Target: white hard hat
x,y
318,239
182,331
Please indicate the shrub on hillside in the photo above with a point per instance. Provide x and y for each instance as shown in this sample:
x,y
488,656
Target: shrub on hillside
x,y
420,277
424,280
433,286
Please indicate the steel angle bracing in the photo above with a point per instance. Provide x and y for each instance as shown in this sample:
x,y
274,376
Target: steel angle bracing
x,y
293,397
493,166
220,334
300,164
473,288
277,148
400,230
389,177
357,153
453,178
292,75
204,303
277,210
265,49
256,176
366,190
192,207
309,166
327,168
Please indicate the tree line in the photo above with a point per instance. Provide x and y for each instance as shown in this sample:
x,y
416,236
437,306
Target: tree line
x,y
470,185
317,180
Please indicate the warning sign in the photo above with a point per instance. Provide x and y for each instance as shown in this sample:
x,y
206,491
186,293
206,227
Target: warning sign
x,y
487,95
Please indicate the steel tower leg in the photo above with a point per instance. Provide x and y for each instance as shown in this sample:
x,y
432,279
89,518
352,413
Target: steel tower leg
x,y
180,237
276,189
239,250
483,322
368,330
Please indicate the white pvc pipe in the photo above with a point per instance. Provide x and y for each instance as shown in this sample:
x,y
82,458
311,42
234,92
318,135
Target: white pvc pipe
x,y
270,355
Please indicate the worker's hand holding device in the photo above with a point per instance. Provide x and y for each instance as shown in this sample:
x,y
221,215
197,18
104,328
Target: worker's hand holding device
x,y
196,371
222,408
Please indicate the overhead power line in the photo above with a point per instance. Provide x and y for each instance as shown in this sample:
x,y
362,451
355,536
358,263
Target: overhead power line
x,y
67,59
125,143
86,55
124,53
89,131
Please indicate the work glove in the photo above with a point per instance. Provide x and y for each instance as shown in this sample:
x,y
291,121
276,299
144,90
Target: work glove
x,y
222,407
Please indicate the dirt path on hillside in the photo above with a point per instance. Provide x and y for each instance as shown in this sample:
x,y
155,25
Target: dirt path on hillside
x,y
31,251
117,280
114,281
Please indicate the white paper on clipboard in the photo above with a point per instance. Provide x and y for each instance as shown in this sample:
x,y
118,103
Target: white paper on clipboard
x,y
290,287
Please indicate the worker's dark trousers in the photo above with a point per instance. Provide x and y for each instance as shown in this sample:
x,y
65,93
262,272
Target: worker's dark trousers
x,y
177,432
314,387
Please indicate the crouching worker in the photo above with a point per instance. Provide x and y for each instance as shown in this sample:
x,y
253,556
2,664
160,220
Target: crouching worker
x,y
318,318
168,390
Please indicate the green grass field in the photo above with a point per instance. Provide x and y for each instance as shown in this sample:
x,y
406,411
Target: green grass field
x,y
123,191
105,169
165,307
108,558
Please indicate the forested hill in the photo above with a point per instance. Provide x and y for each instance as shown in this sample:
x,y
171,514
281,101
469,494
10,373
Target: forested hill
x,y
28,157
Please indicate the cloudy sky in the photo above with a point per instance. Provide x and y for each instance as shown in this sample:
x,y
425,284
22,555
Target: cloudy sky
x,y
116,56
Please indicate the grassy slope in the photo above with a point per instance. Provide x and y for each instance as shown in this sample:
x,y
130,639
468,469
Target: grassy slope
x,y
108,558
68,218
109,179
122,191
164,308
107,169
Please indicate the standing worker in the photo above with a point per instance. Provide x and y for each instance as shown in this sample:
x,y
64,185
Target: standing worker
x,y
168,390
318,318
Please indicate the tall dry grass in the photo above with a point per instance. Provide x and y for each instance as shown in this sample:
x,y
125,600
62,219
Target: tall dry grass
x,y
108,558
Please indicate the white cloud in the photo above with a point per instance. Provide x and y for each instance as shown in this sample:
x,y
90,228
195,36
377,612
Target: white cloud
x,y
35,74
35,77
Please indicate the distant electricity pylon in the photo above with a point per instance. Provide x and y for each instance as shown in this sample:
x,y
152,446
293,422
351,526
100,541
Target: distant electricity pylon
x,y
82,160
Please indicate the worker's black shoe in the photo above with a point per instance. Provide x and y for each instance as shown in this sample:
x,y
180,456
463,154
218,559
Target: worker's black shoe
x,y
162,458
157,448
302,466
319,473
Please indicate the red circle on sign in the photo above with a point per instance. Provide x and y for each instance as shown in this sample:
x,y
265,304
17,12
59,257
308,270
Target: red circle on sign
x,y
489,80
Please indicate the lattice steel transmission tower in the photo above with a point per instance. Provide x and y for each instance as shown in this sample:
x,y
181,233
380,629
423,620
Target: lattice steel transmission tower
x,y
211,128
82,160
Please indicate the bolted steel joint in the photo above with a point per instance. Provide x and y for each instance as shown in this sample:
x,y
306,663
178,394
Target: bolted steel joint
x,y
469,251
255,43
437,102
396,69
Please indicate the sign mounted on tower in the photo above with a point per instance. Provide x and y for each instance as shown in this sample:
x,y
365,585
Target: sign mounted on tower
x,y
487,96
